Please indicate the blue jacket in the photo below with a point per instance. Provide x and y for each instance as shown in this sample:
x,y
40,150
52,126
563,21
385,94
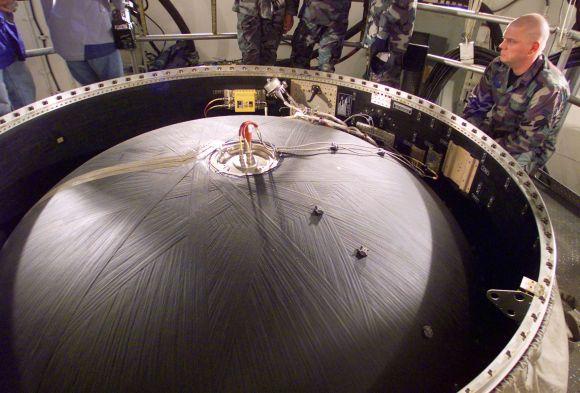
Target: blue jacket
x,y
11,45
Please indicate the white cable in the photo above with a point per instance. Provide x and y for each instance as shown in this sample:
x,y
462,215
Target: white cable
x,y
368,118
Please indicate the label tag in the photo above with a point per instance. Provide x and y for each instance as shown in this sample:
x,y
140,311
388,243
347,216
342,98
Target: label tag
x,y
344,105
466,52
381,100
402,108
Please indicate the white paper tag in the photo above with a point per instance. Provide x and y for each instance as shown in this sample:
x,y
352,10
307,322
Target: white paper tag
x,y
381,100
466,53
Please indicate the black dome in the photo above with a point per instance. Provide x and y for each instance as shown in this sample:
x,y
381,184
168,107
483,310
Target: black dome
x,y
183,279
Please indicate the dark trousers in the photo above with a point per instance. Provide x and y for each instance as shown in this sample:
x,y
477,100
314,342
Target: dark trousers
x,y
330,40
259,38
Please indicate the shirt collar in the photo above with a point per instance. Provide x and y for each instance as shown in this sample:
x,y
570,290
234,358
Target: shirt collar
x,y
530,74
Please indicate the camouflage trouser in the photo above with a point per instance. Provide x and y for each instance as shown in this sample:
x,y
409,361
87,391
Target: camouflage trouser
x,y
259,38
388,73
329,39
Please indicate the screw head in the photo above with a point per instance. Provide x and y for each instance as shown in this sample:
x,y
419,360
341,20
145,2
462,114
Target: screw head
x,y
428,332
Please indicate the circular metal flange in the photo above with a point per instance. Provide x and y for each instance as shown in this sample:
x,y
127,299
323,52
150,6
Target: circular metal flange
x,y
229,159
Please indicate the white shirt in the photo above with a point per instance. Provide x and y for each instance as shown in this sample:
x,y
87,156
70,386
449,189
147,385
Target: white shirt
x,y
76,23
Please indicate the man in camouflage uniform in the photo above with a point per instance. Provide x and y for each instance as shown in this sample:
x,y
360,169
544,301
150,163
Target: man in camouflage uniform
x,y
324,22
521,97
260,27
389,28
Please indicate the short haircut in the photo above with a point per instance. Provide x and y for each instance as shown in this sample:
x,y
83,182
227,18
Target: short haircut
x,y
536,27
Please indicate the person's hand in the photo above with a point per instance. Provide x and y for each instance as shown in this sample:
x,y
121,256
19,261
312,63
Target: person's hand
x,y
288,22
8,5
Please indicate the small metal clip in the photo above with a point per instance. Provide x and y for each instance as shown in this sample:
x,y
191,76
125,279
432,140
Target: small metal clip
x,y
317,211
362,252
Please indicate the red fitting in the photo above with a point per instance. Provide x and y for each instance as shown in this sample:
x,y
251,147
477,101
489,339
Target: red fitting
x,y
245,131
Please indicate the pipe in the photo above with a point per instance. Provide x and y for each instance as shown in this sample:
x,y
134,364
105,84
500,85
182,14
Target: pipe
x,y
457,64
573,34
464,13
190,36
214,17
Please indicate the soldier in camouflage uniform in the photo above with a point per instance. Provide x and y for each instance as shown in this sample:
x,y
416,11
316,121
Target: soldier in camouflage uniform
x,y
260,27
389,28
521,97
324,22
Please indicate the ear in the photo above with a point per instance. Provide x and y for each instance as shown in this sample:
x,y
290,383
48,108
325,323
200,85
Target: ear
x,y
535,48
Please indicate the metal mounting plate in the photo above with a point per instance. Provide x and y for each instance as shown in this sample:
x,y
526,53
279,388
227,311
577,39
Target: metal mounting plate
x,y
514,304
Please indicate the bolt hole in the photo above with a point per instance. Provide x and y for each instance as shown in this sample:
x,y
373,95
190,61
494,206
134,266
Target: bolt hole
x,y
511,313
494,296
519,297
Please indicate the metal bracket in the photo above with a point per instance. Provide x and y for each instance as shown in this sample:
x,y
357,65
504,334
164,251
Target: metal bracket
x,y
514,304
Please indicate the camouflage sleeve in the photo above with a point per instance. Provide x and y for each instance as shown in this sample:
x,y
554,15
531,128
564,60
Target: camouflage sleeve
x,y
535,140
400,21
292,7
391,20
480,100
